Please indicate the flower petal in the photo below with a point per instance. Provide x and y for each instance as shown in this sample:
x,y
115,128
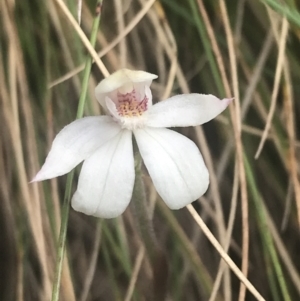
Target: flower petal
x,y
175,165
76,142
111,107
106,179
148,95
121,78
125,80
186,110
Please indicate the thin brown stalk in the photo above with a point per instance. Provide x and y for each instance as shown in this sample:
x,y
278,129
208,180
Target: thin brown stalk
x,y
291,162
115,42
278,73
121,25
235,120
136,37
216,196
79,9
290,117
135,272
215,46
254,78
288,206
231,220
258,104
240,12
173,56
93,264
66,52
223,254
237,130
83,37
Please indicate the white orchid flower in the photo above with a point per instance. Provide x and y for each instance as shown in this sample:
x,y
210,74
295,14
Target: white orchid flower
x,y
104,143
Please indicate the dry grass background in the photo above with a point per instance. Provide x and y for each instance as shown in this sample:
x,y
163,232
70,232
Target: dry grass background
x,y
244,49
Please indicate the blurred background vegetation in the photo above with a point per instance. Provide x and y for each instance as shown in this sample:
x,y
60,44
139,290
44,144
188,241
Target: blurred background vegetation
x,y
244,49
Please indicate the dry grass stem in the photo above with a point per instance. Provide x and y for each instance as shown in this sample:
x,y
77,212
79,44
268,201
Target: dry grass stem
x,y
83,37
278,72
223,254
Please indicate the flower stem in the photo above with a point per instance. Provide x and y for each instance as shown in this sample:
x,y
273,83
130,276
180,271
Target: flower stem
x,y
67,197
156,255
141,212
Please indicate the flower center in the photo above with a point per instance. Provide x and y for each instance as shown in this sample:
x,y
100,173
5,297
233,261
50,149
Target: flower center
x,y
129,105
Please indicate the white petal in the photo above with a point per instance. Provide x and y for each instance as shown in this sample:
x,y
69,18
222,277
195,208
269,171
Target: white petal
x,y
121,78
148,94
76,142
106,179
111,107
186,110
175,165
125,80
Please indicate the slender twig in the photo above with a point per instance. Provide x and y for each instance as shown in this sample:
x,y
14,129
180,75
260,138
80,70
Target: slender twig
x,y
223,254
278,73
93,263
138,17
82,36
237,124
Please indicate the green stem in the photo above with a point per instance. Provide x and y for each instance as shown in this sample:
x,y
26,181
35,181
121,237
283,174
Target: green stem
x,y
62,237
67,197
89,60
